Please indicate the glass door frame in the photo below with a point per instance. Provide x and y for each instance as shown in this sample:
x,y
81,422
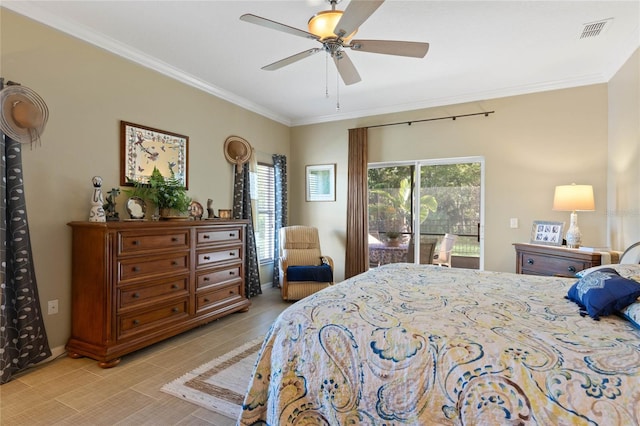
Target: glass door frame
x,y
417,165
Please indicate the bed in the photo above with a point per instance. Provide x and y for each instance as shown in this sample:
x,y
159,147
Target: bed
x,y
421,344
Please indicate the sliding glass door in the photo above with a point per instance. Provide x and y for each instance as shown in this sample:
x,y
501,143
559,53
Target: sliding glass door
x,y
413,205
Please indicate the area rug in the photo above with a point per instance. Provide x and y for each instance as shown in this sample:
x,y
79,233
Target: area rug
x,y
219,385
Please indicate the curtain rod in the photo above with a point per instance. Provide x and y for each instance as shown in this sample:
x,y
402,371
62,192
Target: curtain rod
x,y
451,117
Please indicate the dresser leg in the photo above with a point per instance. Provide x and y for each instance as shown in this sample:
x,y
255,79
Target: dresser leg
x,y
74,355
109,364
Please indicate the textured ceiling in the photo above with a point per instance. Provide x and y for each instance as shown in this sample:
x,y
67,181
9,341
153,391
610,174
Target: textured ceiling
x,y
478,50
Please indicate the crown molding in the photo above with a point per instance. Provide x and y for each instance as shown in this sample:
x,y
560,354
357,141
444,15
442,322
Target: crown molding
x,y
461,98
83,33
100,40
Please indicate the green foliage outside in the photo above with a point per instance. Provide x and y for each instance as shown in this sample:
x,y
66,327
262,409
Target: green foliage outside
x,y
449,200
394,207
166,193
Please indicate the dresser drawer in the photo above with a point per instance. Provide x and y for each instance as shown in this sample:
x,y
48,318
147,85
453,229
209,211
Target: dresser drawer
x,y
132,296
222,255
541,264
217,277
135,242
211,236
216,298
143,321
134,268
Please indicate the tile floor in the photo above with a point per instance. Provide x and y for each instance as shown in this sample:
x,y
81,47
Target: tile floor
x,y
77,392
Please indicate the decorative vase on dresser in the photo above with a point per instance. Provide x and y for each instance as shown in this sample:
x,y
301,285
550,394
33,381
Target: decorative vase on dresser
x,y
137,283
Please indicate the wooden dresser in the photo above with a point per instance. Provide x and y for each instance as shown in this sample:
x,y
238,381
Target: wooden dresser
x,y
534,259
136,283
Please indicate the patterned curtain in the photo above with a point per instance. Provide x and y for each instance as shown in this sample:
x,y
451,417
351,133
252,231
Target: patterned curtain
x,y
357,259
242,210
23,340
280,187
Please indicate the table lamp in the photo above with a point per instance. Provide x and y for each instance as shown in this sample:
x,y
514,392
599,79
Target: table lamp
x,y
573,198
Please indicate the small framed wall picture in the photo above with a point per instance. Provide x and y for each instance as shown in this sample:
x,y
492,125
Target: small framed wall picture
x,y
546,232
321,182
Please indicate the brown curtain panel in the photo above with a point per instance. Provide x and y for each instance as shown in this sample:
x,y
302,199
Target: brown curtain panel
x,y
357,259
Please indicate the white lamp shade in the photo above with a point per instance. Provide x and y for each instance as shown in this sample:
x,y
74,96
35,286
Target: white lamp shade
x,y
574,198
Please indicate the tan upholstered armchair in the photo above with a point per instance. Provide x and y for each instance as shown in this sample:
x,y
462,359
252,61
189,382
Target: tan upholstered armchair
x,y
303,268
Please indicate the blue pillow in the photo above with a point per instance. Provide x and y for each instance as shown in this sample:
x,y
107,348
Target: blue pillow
x,y
604,292
322,273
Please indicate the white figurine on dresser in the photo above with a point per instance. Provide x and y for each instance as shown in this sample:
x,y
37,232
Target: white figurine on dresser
x,y
97,202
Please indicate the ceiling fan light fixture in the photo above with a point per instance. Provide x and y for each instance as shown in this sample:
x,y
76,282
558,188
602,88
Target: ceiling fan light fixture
x,y
323,23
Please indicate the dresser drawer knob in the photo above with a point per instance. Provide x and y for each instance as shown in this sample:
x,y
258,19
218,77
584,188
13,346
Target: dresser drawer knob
x,y
174,239
232,253
135,295
232,235
206,236
174,263
231,292
205,279
232,272
135,269
175,310
572,269
206,300
135,242
135,322
174,286
530,261
207,258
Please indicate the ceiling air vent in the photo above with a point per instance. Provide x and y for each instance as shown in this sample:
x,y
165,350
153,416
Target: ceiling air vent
x,y
594,29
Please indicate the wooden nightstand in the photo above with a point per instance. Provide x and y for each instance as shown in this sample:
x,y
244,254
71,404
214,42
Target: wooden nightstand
x,y
534,259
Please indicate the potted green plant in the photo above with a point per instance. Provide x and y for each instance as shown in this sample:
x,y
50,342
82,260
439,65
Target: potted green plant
x,y
167,193
393,238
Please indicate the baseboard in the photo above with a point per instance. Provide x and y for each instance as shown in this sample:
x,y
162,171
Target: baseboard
x,y
56,353
265,286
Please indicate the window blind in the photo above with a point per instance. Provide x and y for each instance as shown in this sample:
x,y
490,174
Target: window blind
x,y
266,213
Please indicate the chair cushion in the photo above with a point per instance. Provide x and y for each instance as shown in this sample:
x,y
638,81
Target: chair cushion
x,y
297,257
299,237
320,273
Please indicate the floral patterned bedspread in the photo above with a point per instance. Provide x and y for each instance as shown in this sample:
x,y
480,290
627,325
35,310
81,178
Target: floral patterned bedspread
x,y
420,345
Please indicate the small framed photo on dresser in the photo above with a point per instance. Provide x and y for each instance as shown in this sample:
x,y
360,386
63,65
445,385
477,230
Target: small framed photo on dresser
x,y
546,232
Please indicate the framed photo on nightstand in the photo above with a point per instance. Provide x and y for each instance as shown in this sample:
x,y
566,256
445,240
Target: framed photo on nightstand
x,y
546,232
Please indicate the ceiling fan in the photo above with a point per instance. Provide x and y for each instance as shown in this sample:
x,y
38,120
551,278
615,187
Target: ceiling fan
x,y
334,29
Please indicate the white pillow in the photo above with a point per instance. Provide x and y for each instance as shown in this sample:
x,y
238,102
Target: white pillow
x,y
628,270
631,254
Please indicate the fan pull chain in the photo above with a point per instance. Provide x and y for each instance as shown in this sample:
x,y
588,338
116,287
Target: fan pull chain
x,y
326,76
337,91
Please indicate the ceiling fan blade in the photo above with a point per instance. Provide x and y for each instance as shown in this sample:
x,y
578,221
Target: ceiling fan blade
x,y
413,49
354,15
346,69
264,22
291,59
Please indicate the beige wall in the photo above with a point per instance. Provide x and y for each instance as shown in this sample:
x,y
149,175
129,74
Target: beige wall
x,y
624,154
530,144
88,91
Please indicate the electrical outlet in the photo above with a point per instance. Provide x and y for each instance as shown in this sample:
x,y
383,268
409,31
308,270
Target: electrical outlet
x,y
514,222
52,306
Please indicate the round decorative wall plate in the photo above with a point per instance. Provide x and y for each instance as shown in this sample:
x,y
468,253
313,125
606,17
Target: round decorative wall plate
x,y
136,207
196,210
